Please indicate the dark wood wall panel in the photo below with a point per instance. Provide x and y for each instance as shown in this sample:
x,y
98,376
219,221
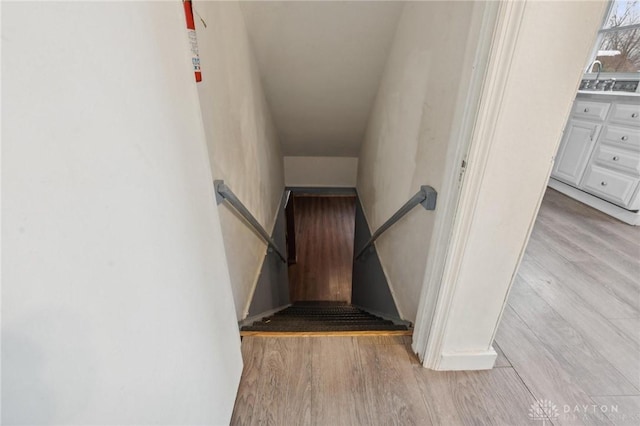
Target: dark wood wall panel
x,y
324,229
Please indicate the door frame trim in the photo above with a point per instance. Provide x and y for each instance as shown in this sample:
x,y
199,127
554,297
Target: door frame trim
x,y
500,24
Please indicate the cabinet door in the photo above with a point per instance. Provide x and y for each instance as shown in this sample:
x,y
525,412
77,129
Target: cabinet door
x,y
575,149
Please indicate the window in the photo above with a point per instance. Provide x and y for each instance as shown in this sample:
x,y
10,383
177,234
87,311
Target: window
x,y
618,44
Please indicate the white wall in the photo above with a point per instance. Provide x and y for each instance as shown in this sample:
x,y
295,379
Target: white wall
x,y
337,172
503,195
116,301
243,146
409,135
321,63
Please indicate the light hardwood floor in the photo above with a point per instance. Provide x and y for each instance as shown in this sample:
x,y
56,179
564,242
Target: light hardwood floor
x,y
570,335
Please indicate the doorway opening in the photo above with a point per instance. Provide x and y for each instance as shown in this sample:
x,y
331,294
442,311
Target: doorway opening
x,y
321,246
323,239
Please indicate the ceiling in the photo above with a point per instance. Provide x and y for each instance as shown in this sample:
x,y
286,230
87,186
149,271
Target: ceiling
x,y
321,63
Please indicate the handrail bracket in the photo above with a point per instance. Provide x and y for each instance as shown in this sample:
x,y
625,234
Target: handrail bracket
x,y
430,197
427,197
219,187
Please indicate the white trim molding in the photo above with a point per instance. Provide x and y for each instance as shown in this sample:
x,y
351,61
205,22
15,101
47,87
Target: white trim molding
x,y
456,361
515,136
507,25
484,18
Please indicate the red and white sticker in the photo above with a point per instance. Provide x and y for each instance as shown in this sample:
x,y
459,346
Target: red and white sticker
x,y
193,39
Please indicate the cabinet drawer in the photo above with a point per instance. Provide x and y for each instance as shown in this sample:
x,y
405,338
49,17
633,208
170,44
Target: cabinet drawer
x,y
625,161
626,114
610,185
591,110
622,136
575,150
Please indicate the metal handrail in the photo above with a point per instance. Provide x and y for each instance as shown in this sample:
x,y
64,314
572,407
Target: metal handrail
x,y
426,196
223,192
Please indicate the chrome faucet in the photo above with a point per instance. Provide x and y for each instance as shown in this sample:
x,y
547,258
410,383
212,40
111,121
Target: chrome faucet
x,y
597,80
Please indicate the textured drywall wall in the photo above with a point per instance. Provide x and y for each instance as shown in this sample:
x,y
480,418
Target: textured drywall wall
x,y
243,146
409,134
116,299
336,172
321,63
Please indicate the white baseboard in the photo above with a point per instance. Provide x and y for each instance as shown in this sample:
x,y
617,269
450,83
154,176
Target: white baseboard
x,y
480,360
626,216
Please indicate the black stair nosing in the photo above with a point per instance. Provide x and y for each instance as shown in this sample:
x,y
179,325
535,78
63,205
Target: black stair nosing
x,y
329,328
295,315
320,303
291,309
305,327
328,309
323,310
323,305
323,315
320,318
323,318
314,323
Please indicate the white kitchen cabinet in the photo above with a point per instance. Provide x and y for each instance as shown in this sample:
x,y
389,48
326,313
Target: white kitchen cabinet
x,y
614,158
575,149
591,110
598,161
610,185
626,114
622,137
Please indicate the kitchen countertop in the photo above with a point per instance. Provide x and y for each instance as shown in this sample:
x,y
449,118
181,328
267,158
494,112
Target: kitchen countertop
x,y
612,94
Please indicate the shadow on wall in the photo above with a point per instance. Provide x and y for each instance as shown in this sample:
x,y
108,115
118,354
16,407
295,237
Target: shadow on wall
x,y
370,289
272,287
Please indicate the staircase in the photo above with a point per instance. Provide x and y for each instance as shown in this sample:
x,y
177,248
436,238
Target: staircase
x,y
329,318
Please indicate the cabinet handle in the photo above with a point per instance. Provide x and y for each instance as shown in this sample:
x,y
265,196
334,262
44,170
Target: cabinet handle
x,y
624,138
586,110
634,115
603,183
616,158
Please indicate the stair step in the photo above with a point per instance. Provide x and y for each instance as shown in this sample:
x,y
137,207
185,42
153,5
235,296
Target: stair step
x,y
319,316
318,309
323,303
324,327
323,314
320,312
359,333
313,323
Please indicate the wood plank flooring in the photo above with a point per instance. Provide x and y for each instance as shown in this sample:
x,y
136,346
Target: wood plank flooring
x,y
324,229
570,335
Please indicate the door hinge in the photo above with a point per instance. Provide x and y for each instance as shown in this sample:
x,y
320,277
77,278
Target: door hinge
x,y
463,168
